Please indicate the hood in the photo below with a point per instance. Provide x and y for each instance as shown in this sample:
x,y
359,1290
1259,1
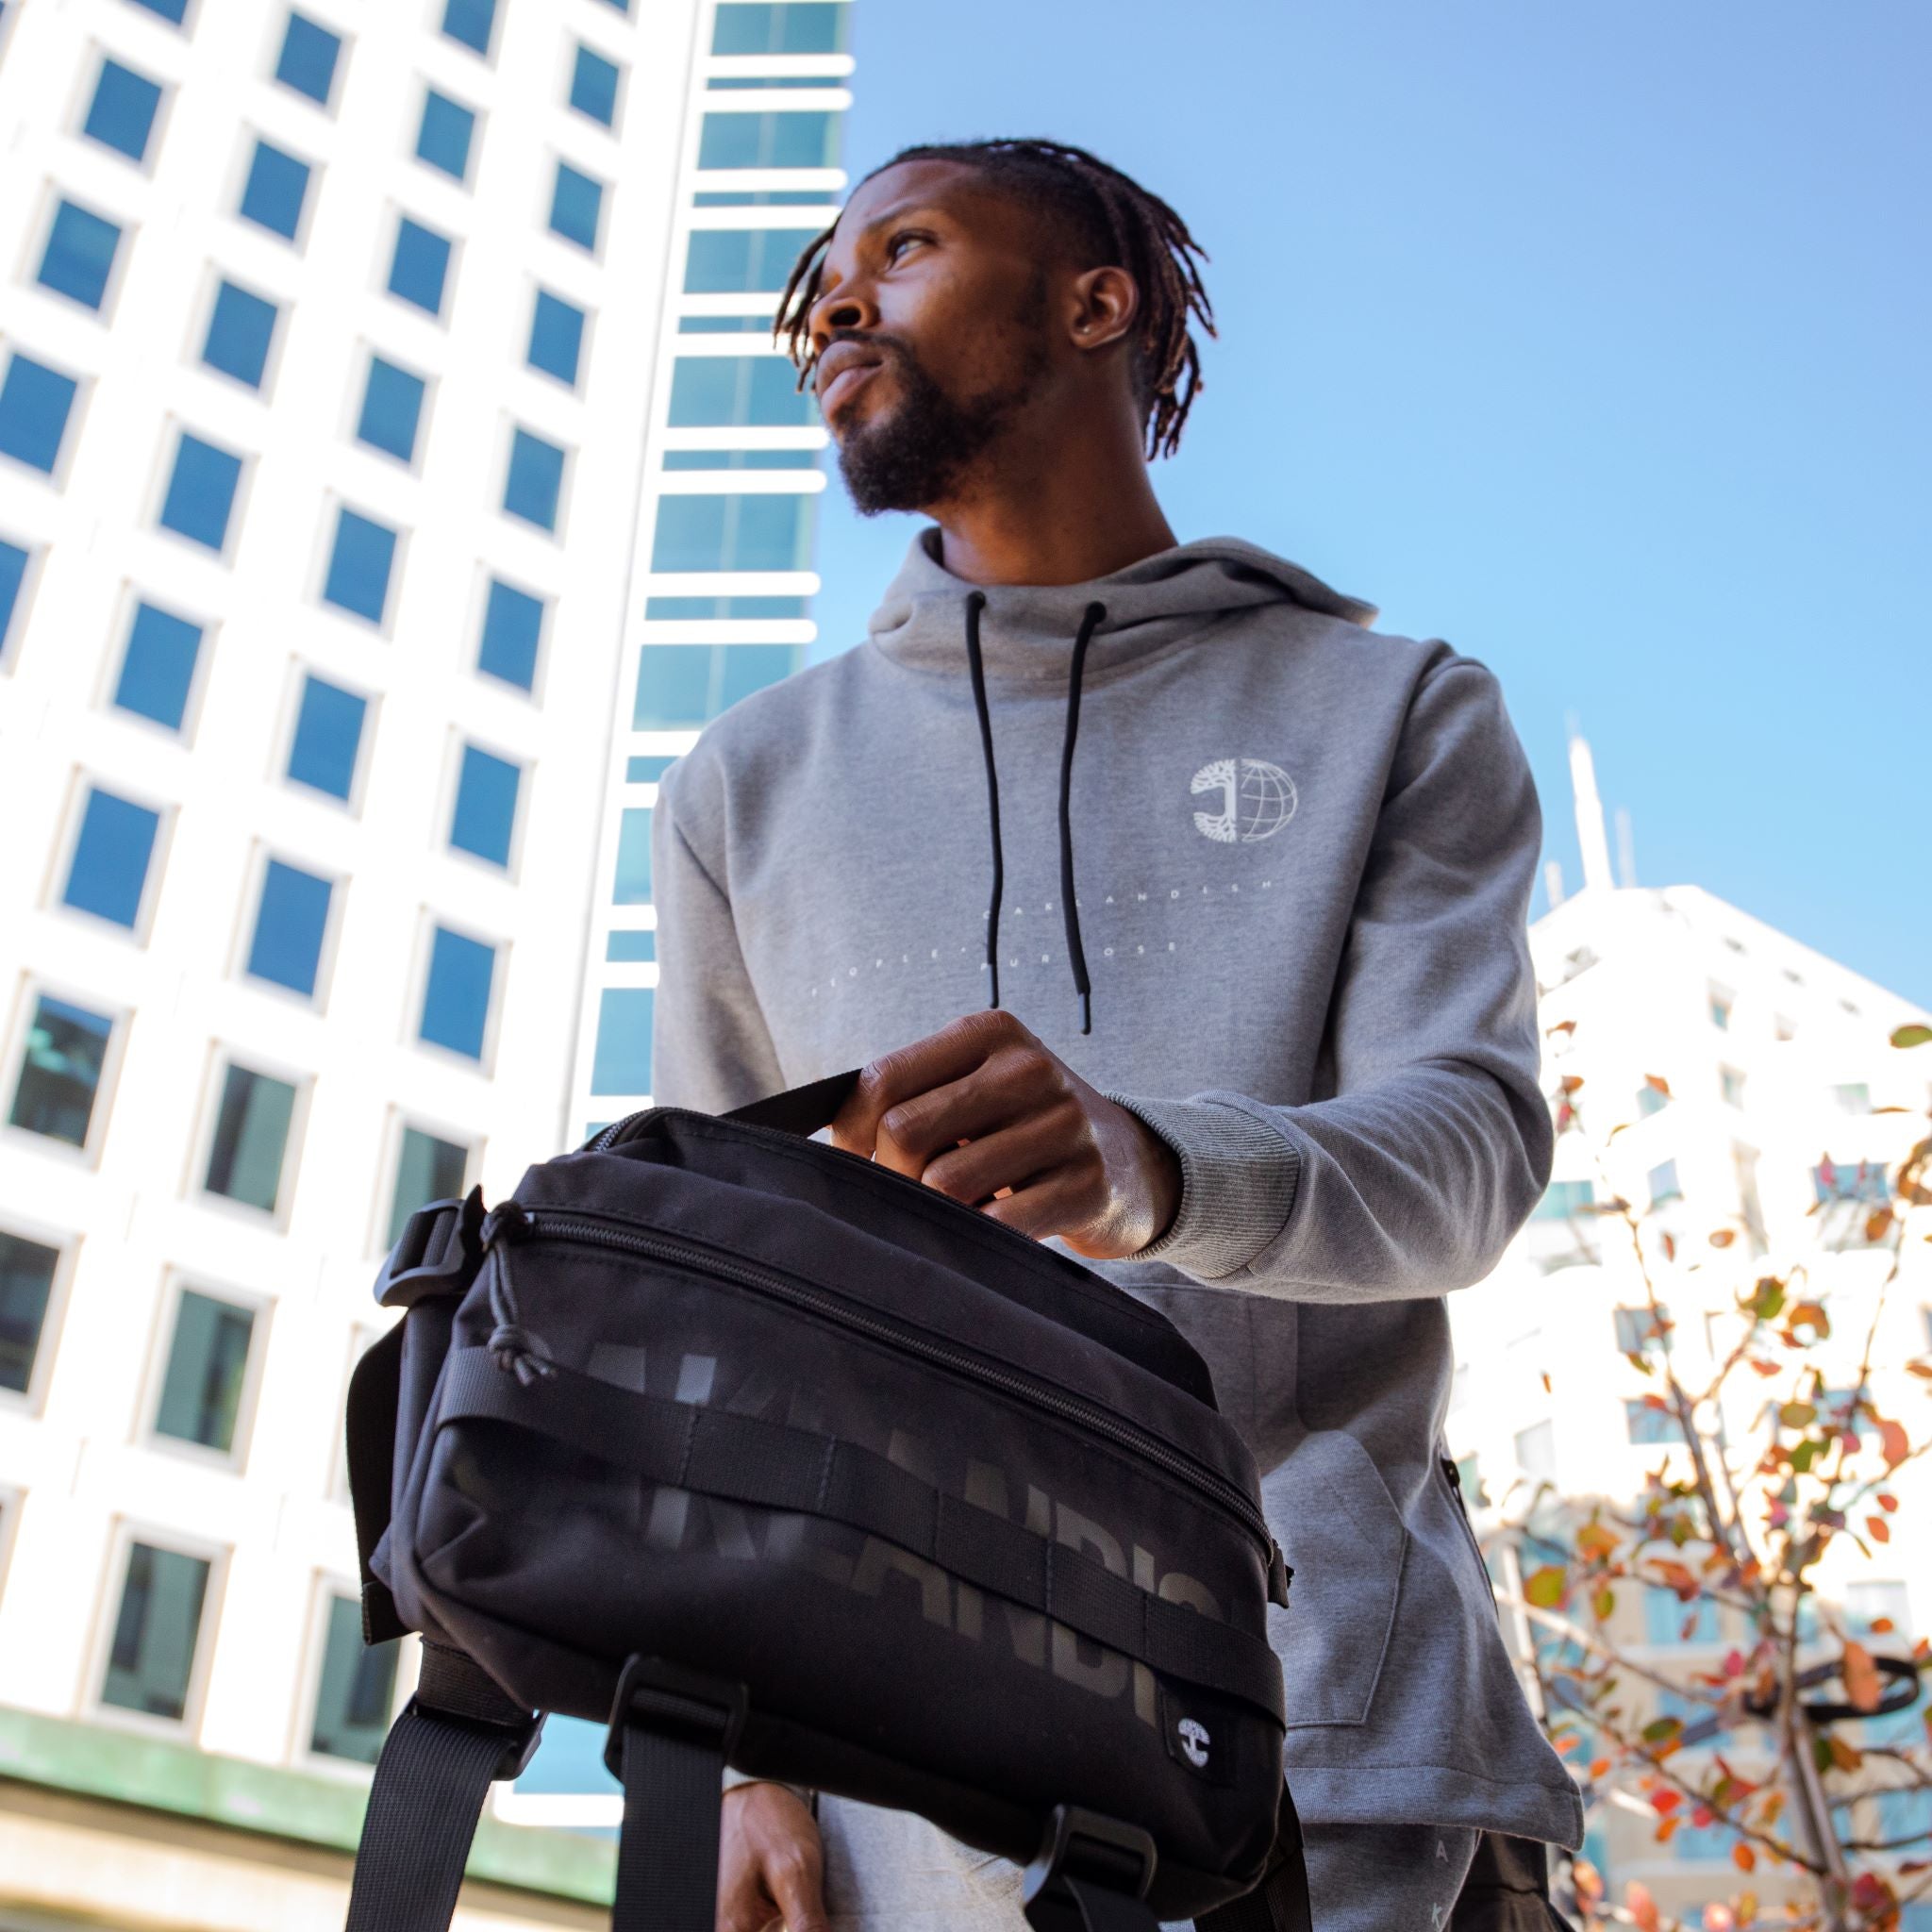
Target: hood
x,y
1026,631
935,622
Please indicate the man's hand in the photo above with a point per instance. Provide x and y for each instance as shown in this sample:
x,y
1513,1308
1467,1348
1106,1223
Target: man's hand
x,y
985,1113
770,1869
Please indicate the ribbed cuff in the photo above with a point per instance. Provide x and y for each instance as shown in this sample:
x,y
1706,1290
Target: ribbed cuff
x,y
1239,1179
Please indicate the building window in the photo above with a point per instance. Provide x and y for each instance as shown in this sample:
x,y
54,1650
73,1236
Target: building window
x,y
328,738
1663,1183
680,686
427,1169
121,113
13,562
60,1072
158,666
648,770
392,410
276,192
1730,1086
769,141
577,206
35,404
79,256
1668,1620
291,923
1646,1427
201,491
359,564
419,269
737,391
534,483
804,27
632,885
307,61
485,815
1719,1008
174,12
622,1063
455,993
1565,1201
742,261
1637,1330
593,87
1855,1097
557,337
241,330
471,22
356,1688
107,875
1651,1100
735,533
206,1373
250,1145
157,1631
630,948
1861,1180
27,1270
445,137
512,628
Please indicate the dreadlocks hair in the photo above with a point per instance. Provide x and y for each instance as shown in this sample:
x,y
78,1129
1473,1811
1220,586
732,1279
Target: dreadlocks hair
x,y
1111,219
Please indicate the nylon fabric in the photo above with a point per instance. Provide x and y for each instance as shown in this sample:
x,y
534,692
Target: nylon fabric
x,y
667,1852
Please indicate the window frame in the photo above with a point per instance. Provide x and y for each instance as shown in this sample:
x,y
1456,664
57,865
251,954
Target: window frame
x,y
114,663
282,746
334,505
57,194
323,1586
460,740
173,427
55,477
83,781
33,988
250,137
367,354
222,1055
428,920
389,236
201,321
398,1121
545,601
276,42
509,429
248,922
414,141
31,1401
88,86
260,1309
125,1532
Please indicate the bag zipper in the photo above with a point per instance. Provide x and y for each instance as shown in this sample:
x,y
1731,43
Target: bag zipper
x,y
550,1223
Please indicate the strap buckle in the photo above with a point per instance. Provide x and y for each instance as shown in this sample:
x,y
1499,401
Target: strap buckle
x,y
663,1697
520,1740
1091,1851
440,1251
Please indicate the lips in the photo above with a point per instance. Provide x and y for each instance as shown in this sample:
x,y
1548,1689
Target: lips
x,y
843,370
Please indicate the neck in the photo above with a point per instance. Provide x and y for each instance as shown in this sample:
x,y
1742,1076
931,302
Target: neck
x,y
1074,508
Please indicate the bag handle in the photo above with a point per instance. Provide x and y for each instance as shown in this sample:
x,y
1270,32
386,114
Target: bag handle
x,y
801,1111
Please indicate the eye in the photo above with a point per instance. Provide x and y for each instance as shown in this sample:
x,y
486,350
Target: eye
x,y
904,239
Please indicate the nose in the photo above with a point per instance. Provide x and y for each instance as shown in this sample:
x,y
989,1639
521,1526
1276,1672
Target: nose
x,y
847,307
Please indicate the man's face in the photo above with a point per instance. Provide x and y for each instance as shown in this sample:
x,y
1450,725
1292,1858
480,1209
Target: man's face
x,y
929,333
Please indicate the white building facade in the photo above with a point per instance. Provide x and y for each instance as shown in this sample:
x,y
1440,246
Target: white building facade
x,y
392,476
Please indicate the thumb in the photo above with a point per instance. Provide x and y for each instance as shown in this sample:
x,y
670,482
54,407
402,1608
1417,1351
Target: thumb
x,y
797,1888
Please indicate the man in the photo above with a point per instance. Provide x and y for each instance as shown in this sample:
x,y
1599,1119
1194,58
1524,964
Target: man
x,y
1265,1054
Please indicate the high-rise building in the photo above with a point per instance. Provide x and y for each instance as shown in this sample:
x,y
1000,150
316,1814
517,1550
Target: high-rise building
x,y
394,473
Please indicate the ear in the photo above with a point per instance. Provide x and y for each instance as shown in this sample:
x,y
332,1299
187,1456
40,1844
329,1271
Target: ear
x,y
1106,305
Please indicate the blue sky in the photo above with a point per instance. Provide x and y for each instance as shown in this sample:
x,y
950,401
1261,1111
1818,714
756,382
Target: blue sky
x,y
1590,336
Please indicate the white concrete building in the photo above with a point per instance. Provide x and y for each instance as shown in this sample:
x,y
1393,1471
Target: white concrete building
x,y
1757,1099
393,475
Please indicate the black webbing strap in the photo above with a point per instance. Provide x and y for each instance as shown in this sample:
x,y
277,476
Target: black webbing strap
x,y
455,1735
1090,1874
1280,1902
375,1389
799,1109
670,1732
769,1465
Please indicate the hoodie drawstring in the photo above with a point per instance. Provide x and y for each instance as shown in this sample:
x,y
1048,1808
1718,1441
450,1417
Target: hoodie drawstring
x,y
1076,953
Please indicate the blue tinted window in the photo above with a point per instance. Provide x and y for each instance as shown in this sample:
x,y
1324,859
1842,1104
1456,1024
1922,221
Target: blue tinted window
x,y
419,266
632,948
757,610
108,872
290,922
79,256
250,1141
621,1063
740,460
700,533
456,1000
122,114
632,885
486,807
443,139
359,565
769,141
742,261
535,481
201,491
157,667
470,22
277,186
26,1285
308,59
576,204
391,409
239,330
804,27
512,626
60,1071
732,391
12,576
169,10
745,668
557,337
358,1686
328,738
648,770
593,87
35,402
673,686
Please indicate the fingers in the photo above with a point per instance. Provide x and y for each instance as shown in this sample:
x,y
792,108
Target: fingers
x,y
770,1863
951,1055
795,1875
1041,1147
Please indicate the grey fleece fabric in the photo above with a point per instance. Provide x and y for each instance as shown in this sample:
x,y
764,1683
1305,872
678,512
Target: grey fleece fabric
x,y
1303,856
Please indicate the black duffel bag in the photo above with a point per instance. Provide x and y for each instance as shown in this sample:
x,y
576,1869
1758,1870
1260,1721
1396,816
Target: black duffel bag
x,y
774,1457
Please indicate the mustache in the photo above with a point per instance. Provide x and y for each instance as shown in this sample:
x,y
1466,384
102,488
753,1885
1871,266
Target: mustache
x,y
886,347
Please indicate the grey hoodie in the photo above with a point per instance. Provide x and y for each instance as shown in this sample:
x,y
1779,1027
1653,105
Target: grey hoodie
x,y
1302,854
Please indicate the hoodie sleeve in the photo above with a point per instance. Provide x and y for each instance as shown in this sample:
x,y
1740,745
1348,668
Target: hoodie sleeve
x,y
1411,1179
710,1045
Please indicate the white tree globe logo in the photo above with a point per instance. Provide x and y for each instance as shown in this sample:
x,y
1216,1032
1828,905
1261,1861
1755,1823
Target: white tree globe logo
x,y
1257,799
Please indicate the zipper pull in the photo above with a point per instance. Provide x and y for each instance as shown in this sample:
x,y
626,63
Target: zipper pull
x,y
504,1221
1279,1575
